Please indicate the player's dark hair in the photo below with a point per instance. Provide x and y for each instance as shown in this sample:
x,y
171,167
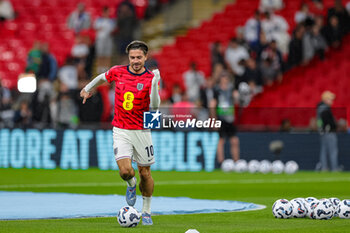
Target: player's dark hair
x,y
137,44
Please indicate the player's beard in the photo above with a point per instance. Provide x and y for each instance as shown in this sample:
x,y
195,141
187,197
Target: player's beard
x,y
137,67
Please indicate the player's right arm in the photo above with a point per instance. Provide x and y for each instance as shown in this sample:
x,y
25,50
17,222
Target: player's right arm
x,y
86,91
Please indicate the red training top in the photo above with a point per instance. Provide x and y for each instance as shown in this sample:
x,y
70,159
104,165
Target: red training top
x,y
132,96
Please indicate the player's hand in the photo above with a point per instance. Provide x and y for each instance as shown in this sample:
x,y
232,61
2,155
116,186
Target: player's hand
x,y
156,75
85,95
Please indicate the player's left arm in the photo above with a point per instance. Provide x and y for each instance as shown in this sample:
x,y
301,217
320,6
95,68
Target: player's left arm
x,y
154,96
86,91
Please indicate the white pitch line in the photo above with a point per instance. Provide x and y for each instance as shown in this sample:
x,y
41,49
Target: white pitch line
x,y
181,182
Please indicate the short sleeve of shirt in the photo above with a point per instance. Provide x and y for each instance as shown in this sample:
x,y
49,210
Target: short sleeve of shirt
x,y
109,74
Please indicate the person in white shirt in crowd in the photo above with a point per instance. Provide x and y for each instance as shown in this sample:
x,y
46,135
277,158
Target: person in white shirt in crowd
x,y
271,5
6,10
193,80
79,19
234,54
252,29
80,49
302,14
104,27
68,74
276,28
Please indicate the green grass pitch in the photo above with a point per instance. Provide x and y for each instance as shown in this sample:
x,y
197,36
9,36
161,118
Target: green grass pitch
x,y
256,188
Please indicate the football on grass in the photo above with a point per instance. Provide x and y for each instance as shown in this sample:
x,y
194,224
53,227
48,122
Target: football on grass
x,y
344,209
323,210
128,217
282,208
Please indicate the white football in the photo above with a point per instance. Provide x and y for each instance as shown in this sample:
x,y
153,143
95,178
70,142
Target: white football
x,y
227,165
344,209
128,216
241,165
265,166
335,202
291,167
282,208
277,167
323,210
299,209
310,203
253,166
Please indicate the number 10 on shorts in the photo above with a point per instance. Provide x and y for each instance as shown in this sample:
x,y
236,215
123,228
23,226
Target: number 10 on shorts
x,y
150,151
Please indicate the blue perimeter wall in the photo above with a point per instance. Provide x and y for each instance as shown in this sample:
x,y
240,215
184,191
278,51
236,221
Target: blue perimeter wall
x,y
181,151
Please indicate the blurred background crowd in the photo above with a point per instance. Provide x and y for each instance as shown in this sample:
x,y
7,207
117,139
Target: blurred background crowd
x,y
262,50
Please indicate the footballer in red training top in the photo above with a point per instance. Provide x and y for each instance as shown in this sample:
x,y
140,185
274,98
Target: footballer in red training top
x,y
136,91
132,96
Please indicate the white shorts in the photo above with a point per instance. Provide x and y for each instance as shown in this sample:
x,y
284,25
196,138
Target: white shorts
x,y
133,144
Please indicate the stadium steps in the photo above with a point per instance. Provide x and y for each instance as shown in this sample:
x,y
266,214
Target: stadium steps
x,y
153,29
195,44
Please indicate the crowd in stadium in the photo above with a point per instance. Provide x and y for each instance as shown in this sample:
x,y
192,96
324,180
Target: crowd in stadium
x,y
258,56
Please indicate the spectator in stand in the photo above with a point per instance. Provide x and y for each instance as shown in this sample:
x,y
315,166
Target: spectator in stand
x,y
263,43
303,14
252,30
48,67
240,38
319,22
104,27
79,19
342,15
217,56
216,72
313,43
234,55
6,11
34,59
68,74
40,104
23,116
65,114
222,108
327,127
269,73
207,93
285,126
295,56
308,50
333,32
276,28
271,5
319,42
5,97
6,112
193,80
271,51
80,50
127,25
252,76
176,95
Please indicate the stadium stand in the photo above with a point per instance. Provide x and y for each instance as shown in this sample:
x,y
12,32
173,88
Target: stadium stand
x,y
44,21
301,86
